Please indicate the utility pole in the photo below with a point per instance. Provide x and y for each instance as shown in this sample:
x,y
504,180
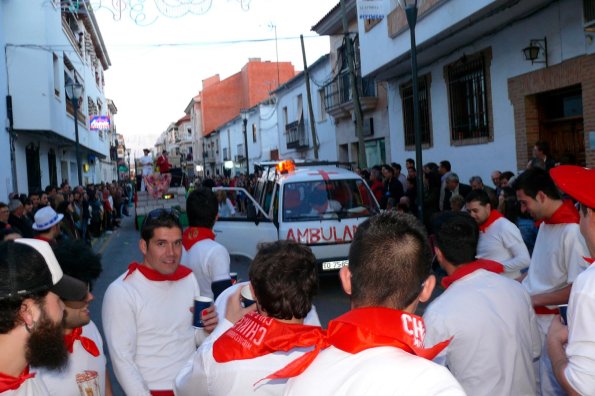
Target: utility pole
x,y
309,94
359,125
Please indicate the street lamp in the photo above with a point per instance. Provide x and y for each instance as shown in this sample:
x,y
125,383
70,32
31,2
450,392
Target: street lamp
x,y
74,90
244,114
117,160
410,7
128,162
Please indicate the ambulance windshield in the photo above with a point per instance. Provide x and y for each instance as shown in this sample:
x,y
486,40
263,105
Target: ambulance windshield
x,y
327,199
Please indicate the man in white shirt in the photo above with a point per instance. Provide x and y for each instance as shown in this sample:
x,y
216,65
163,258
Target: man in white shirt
x,y
146,162
495,335
284,280
147,316
377,347
208,260
31,311
572,348
85,371
500,239
557,256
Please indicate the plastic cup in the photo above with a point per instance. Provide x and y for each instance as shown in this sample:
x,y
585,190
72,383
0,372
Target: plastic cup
x,y
563,308
234,277
246,297
200,303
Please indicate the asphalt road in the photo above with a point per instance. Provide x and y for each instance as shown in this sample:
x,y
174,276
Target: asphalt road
x,y
121,248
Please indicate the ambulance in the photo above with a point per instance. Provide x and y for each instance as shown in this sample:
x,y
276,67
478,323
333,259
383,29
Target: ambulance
x,y
318,204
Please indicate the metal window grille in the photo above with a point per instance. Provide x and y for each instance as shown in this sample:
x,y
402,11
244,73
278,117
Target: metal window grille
x,y
589,11
468,99
424,112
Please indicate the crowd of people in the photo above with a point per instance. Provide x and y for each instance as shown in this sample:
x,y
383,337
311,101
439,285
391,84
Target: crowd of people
x,y
65,213
498,327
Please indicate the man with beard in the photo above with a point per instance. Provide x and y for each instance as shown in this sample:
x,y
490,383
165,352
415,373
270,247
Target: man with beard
x,y
85,371
31,312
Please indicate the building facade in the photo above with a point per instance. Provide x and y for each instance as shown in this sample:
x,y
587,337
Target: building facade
x,y
294,132
337,93
494,77
50,45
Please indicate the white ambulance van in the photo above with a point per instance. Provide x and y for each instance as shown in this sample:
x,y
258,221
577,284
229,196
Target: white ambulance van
x,y
317,204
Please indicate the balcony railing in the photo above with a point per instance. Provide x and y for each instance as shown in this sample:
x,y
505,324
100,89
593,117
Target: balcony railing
x,y
338,96
297,137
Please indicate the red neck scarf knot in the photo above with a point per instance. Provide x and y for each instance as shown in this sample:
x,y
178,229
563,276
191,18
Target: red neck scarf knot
x,y
494,215
364,328
87,343
193,235
149,273
256,335
565,214
8,382
466,269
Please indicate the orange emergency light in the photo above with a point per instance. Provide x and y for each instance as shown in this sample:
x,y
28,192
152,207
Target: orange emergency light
x,y
286,166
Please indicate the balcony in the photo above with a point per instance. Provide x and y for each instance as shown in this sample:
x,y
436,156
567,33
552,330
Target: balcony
x,y
338,96
296,135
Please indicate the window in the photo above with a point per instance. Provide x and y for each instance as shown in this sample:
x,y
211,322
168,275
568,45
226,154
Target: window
x,y
56,65
285,119
469,94
253,133
330,199
589,12
423,88
321,108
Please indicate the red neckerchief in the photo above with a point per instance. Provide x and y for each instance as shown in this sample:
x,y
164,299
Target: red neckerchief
x,y
494,215
8,382
41,238
162,393
87,343
196,234
256,335
465,269
371,327
153,275
589,260
565,214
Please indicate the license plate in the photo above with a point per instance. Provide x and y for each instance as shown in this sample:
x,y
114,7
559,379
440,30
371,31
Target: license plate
x,y
334,265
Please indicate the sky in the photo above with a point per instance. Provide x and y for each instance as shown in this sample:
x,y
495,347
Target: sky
x,y
158,64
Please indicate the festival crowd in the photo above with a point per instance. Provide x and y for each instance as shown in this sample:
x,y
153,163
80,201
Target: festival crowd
x,y
514,316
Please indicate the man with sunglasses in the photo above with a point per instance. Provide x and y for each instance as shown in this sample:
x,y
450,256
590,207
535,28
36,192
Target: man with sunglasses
x,y
86,369
572,348
146,311
377,347
495,337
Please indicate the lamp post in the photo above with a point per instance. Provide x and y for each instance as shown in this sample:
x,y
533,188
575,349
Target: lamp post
x,y
128,162
410,7
75,90
244,114
117,160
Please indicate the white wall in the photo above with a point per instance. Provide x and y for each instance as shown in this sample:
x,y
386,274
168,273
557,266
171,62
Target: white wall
x,y
325,130
561,23
33,32
5,168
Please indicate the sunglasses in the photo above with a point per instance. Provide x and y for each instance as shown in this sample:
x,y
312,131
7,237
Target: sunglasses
x,y
161,214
